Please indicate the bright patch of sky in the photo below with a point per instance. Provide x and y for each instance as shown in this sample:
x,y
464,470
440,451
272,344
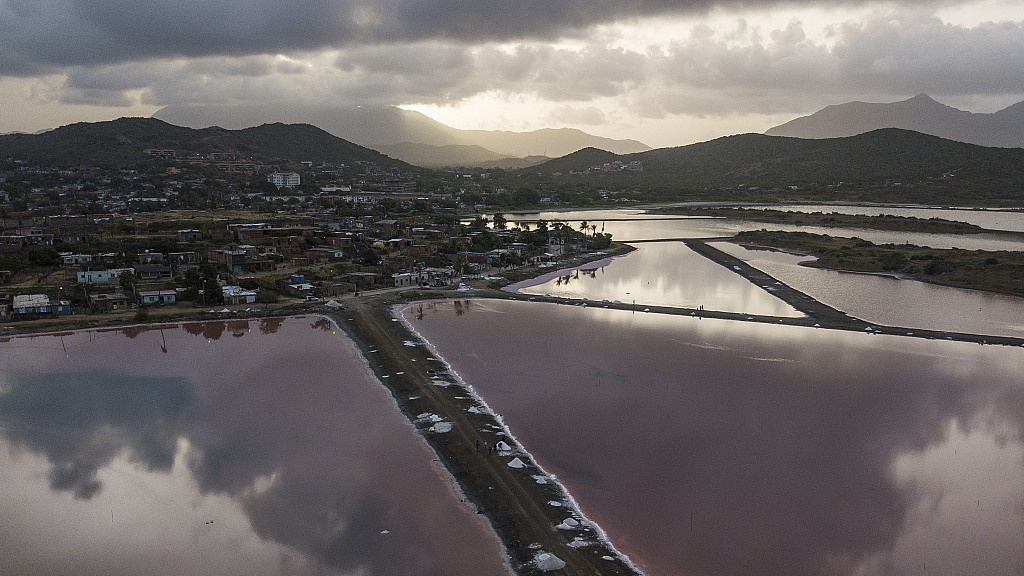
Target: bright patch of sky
x,y
767,30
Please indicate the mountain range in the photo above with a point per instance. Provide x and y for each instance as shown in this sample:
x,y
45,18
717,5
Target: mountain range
x,y
404,134
122,142
891,159
888,154
921,113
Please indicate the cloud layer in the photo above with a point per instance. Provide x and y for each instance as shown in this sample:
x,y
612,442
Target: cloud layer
x,y
37,34
584,61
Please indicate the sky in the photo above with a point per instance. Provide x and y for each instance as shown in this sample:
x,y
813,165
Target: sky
x,y
665,72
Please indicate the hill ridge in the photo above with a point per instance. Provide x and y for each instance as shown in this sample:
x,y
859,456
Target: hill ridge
x,y
920,113
122,141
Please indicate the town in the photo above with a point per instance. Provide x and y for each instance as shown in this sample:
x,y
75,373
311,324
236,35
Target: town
x,y
188,229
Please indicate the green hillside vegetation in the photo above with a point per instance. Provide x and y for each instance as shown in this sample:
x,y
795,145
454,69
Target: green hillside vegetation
x,y
884,165
120,143
1001,272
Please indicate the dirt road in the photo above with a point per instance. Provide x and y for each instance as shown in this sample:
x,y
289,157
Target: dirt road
x,y
517,506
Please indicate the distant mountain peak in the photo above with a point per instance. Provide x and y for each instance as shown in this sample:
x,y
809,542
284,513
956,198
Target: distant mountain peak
x,y
922,113
396,129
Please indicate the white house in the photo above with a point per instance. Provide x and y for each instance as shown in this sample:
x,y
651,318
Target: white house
x,y
101,276
238,295
75,259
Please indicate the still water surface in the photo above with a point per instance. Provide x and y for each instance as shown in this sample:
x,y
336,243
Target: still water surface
x,y
637,227
892,301
728,448
664,274
1009,220
244,447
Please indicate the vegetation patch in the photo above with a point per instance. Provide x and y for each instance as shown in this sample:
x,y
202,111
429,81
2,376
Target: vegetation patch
x,y
1001,272
832,220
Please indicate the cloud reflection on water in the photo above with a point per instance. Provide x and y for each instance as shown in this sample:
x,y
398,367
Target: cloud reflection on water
x,y
289,428
701,458
82,421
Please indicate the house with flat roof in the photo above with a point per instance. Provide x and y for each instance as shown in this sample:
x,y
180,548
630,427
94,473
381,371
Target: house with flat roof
x,y
238,295
158,297
39,304
101,276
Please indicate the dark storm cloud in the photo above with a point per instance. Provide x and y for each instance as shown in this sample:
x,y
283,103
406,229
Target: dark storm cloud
x,y
41,35
705,71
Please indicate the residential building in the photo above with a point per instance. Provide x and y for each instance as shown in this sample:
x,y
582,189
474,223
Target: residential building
x,y
190,236
238,295
284,179
108,302
75,259
158,297
39,304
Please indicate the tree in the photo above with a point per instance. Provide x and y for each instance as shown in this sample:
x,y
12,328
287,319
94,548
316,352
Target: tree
x,y
127,280
500,222
44,256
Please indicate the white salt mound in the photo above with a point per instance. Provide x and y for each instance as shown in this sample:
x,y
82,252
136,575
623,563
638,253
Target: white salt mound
x,y
502,446
546,562
568,524
516,463
442,427
581,542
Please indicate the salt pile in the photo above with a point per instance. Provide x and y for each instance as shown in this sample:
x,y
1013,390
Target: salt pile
x,y
546,562
516,463
568,524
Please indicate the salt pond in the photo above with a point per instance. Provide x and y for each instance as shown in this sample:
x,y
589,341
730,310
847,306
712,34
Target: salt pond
x,y
892,301
243,447
626,226
731,448
663,274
